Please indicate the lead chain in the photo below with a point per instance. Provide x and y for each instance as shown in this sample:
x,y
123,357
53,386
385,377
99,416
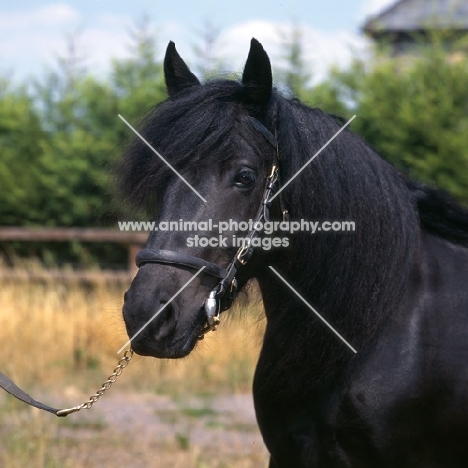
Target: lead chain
x,y
122,364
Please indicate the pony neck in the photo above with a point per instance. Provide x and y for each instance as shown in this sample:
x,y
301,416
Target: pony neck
x,y
355,280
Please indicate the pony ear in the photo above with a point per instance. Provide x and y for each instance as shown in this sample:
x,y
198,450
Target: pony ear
x,y
257,78
178,76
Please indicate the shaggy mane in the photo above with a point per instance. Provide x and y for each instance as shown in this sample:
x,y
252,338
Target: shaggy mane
x,y
203,125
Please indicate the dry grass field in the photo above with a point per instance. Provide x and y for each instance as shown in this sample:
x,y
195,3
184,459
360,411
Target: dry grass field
x,y
60,342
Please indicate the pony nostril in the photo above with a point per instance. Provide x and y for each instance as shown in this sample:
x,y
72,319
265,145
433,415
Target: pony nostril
x,y
169,311
166,321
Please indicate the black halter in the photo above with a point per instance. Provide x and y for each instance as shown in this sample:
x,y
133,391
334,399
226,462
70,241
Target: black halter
x,y
222,296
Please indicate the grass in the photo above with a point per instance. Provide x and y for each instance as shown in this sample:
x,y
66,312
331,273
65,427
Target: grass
x,y
198,412
60,343
71,333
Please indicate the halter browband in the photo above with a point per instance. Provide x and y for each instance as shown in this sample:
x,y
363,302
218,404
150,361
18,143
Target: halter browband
x,y
222,296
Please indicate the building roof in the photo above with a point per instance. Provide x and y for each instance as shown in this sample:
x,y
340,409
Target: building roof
x,y
420,15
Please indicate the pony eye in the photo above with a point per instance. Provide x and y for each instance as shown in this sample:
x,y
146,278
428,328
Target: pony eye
x,y
244,179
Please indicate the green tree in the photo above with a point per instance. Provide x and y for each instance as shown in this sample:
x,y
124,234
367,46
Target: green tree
x,y
139,81
22,142
60,141
208,63
415,113
295,76
73,168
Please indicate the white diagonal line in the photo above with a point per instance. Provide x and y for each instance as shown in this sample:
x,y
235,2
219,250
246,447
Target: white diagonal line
x,y
159,155
312,309
161,309
312,158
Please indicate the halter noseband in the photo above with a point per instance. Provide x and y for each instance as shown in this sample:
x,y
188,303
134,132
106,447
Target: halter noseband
x,y
222,296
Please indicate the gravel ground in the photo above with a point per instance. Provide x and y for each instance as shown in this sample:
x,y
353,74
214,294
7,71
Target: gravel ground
x,y
146,430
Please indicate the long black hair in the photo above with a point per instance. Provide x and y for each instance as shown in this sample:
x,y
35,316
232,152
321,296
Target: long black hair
x,y
202,126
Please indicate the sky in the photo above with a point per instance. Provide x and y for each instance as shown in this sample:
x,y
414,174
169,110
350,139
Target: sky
x,y
33,33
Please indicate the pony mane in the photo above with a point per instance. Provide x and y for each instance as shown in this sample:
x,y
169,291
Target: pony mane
x,y
348,181
202,124
440,214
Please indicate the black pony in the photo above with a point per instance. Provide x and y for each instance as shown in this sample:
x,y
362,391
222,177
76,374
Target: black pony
x,y
395,287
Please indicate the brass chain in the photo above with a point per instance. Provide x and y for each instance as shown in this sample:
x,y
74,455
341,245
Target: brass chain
x,y
122,364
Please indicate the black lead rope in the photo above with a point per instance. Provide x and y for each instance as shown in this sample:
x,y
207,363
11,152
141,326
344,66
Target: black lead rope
x,y
13,389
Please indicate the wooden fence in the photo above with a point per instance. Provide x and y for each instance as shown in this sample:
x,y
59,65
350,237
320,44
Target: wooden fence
x,y
133,241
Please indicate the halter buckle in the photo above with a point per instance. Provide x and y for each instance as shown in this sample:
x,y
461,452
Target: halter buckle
x,y
272,179
274,172
212,310
242,250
